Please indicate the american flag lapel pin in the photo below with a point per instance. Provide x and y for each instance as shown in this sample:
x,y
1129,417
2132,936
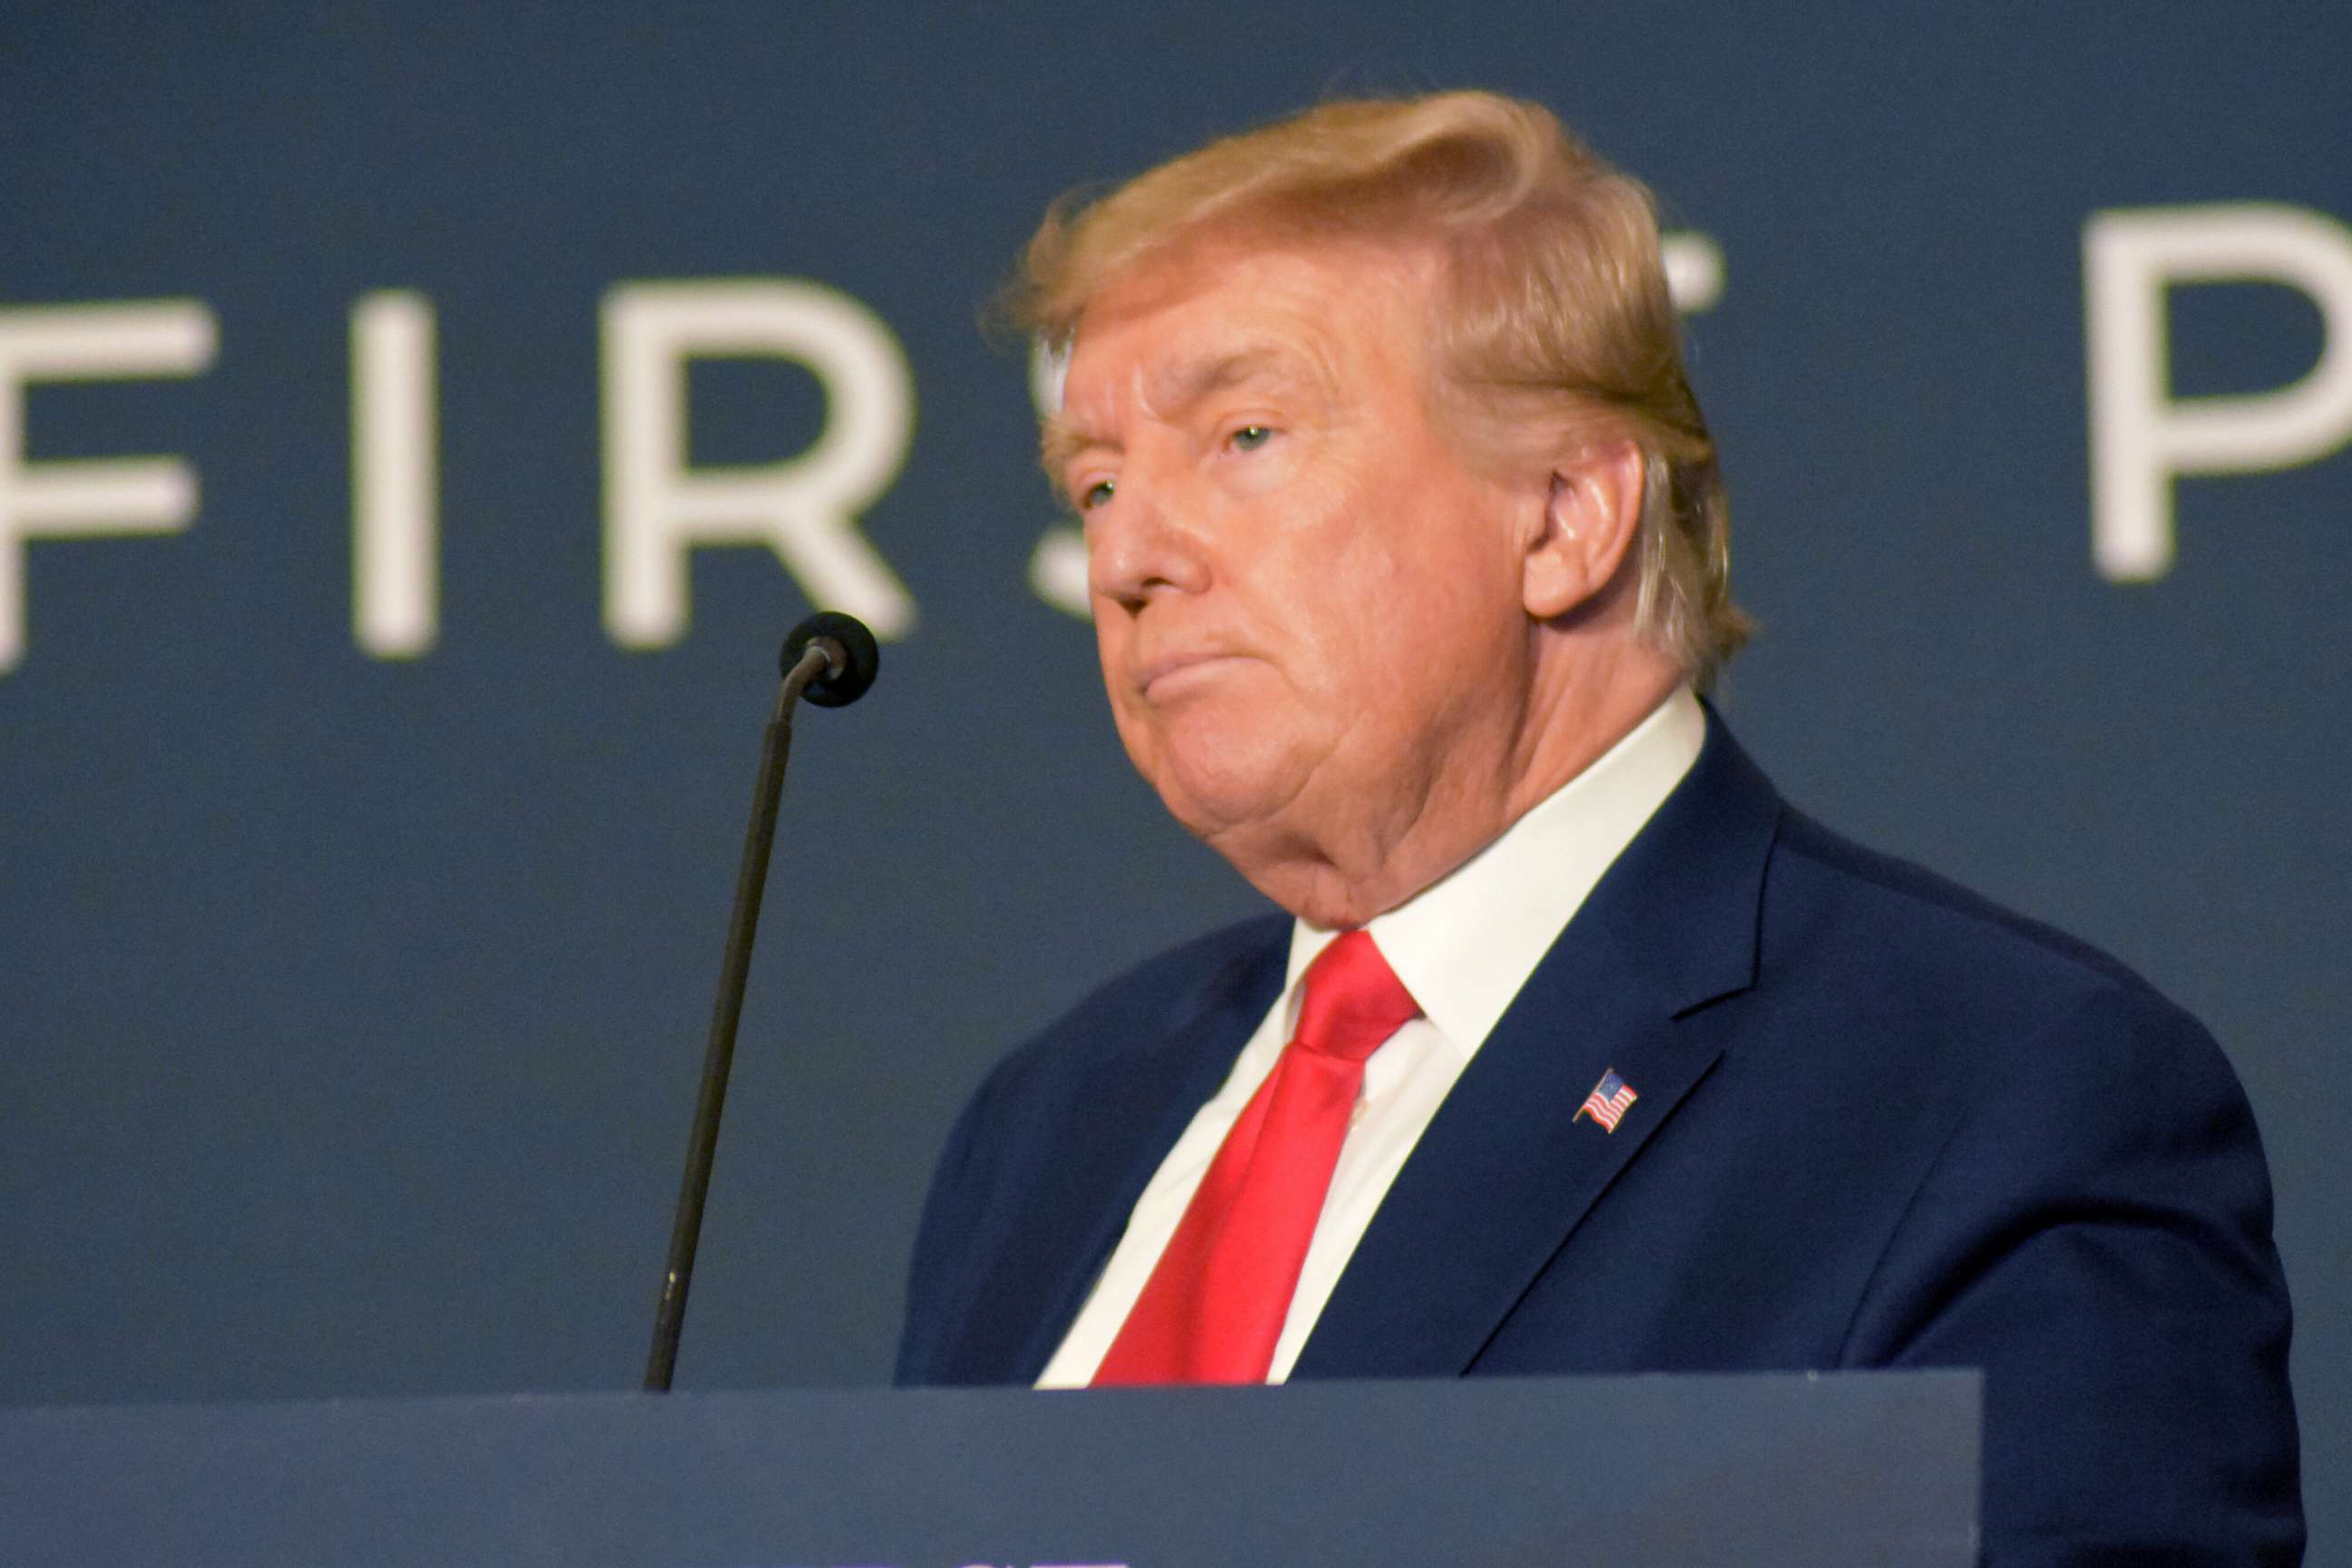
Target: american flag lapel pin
x,y
1607,1102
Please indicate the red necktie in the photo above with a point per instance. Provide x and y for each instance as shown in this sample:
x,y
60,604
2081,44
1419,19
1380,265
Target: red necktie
x,y
1215,1303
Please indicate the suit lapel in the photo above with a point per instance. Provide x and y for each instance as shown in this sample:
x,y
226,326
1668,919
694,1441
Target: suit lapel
x,y
1507,1170
1127,1117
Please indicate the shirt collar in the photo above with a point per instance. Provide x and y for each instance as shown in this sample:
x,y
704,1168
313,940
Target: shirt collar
x,y
1465,945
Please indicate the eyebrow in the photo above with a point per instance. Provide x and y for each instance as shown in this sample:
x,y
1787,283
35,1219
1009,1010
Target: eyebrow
x,y
1059,442
1173,390
1180,387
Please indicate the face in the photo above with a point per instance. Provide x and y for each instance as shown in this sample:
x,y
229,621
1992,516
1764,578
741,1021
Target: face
x,y
1308,605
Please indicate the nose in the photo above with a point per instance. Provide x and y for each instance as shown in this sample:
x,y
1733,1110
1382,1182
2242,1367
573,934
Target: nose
x,y
1147,540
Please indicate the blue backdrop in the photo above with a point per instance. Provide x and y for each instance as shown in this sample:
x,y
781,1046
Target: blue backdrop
x,y
363,863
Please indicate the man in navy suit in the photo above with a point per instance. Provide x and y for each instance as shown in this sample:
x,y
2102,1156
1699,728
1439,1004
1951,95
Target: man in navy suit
x,y
1408,563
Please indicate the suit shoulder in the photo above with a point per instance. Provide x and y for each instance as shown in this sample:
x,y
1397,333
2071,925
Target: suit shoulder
x,y
1902,911
1975,993
1158,994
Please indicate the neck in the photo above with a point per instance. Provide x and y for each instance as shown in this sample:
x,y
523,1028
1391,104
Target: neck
x,y
1369,860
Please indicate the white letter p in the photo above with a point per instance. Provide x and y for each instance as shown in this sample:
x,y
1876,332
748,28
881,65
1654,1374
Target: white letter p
x,y
2141,436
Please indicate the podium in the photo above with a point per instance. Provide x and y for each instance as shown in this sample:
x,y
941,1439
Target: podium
x,y
1868,1468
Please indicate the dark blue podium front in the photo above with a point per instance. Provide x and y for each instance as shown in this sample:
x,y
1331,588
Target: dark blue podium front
x,y
1856,1467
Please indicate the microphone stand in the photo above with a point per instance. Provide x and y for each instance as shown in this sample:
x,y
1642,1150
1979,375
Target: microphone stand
x,y
831,659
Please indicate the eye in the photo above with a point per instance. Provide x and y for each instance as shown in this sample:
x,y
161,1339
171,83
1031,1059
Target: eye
x,y
1097,494
1249,437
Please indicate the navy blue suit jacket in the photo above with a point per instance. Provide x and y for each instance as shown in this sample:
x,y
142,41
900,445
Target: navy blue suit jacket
x,y
1881,1123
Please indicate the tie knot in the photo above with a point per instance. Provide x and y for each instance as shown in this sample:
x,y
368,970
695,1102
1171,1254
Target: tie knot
x,y
1353,1000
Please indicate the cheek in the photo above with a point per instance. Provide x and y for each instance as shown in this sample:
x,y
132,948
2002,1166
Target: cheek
x,y
1325,579
1392,599
1424,633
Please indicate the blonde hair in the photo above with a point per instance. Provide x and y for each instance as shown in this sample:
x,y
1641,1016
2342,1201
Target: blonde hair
x,y
1552,319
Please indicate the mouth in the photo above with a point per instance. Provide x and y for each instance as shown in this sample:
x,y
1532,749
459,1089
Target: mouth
x,y
1172,675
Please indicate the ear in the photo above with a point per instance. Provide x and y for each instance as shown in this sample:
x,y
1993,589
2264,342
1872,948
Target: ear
x,y
1589,521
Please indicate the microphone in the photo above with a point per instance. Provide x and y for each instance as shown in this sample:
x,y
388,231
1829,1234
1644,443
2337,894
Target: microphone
x,y
830,659
849,651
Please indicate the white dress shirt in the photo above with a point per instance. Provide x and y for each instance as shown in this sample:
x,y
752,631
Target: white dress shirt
x,y
1464,947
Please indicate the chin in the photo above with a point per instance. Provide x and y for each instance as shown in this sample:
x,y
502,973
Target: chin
x,y
1213,785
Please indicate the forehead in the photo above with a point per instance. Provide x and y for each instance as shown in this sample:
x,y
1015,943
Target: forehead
x,y
1217,312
